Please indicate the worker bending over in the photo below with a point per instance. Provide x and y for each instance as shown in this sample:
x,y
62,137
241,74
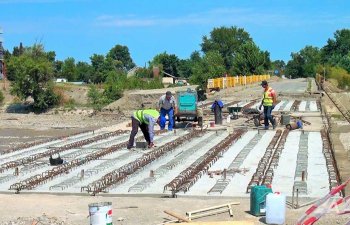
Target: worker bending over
x,y
269,103
167,105
145,119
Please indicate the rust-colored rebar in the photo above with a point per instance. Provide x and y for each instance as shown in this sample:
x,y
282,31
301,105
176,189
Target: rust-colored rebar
x,y
121,174
53,151
190,175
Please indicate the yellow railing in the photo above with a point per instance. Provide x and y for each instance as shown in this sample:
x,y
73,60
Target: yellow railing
x,y
226,82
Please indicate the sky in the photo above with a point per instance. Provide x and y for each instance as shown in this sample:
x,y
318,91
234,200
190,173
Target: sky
x,y
81,28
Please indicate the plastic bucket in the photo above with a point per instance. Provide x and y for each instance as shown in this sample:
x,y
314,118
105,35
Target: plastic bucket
x,y
212,124
275,208
258,200
100,213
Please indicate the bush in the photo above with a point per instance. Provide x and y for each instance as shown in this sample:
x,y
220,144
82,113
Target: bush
x,y
341,76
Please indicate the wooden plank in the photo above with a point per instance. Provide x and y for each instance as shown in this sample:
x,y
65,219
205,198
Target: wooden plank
x,y
215,207
177,216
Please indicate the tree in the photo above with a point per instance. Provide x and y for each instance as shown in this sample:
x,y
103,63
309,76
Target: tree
x,y
294,66
120,54
185,68
97,62
57,68
84,72
279,65
210,66
227,41
337,51
32,73
250,60
17,51
168,63
69,69
304,62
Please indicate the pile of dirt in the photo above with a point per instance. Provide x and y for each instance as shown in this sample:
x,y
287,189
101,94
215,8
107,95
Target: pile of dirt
x,y
133,100
41,220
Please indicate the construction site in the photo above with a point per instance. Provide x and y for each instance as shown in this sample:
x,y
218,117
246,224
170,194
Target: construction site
x,y
192,167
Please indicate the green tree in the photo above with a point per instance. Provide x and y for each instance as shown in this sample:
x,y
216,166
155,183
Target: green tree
x,y
97,62
304,62
84,72
167,63
279,65
120,54
185,68
57,68
96,98
69,69
18,50
294,66
227,41
340,45
211,66
33,73
250,60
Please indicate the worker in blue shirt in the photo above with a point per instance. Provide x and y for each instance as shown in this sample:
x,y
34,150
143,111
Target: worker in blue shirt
x,y
167,105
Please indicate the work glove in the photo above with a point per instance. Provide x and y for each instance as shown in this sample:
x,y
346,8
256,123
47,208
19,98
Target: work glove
x,y
260,107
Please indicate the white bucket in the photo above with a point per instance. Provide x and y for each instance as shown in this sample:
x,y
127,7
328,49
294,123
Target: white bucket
x,y
100,213
275,208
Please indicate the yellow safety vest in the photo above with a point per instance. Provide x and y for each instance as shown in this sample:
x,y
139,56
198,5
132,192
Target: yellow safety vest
x,y
139,115
268,100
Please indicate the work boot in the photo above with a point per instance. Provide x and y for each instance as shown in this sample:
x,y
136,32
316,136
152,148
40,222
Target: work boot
x,y
266,127
130,147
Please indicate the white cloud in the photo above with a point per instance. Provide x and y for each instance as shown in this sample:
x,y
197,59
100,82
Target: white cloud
x,y
224,16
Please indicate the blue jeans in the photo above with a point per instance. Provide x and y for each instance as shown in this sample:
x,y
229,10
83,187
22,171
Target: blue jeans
x,y
163,113
268,116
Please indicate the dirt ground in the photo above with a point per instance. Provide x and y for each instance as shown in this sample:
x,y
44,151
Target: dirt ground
x,y
73,210
145,210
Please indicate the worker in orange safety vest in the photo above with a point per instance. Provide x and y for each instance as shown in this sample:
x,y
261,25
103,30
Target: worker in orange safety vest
x,y
269,102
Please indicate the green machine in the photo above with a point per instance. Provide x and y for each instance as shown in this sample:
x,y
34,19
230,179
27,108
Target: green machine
x,y
187,109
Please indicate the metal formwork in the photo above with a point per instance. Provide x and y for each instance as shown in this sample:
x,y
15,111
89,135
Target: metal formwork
x,y
269,173
33,181
121,174
32,158
189,176
264,161
334,179
165,168
302,163
222,183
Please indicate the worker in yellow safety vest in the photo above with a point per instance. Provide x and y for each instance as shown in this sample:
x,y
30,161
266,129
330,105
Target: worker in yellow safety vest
x,y
145,119
269,103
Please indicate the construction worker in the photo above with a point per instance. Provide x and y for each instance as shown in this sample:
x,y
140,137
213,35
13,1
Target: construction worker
x,y
167,105
145,119
269,103
216,107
